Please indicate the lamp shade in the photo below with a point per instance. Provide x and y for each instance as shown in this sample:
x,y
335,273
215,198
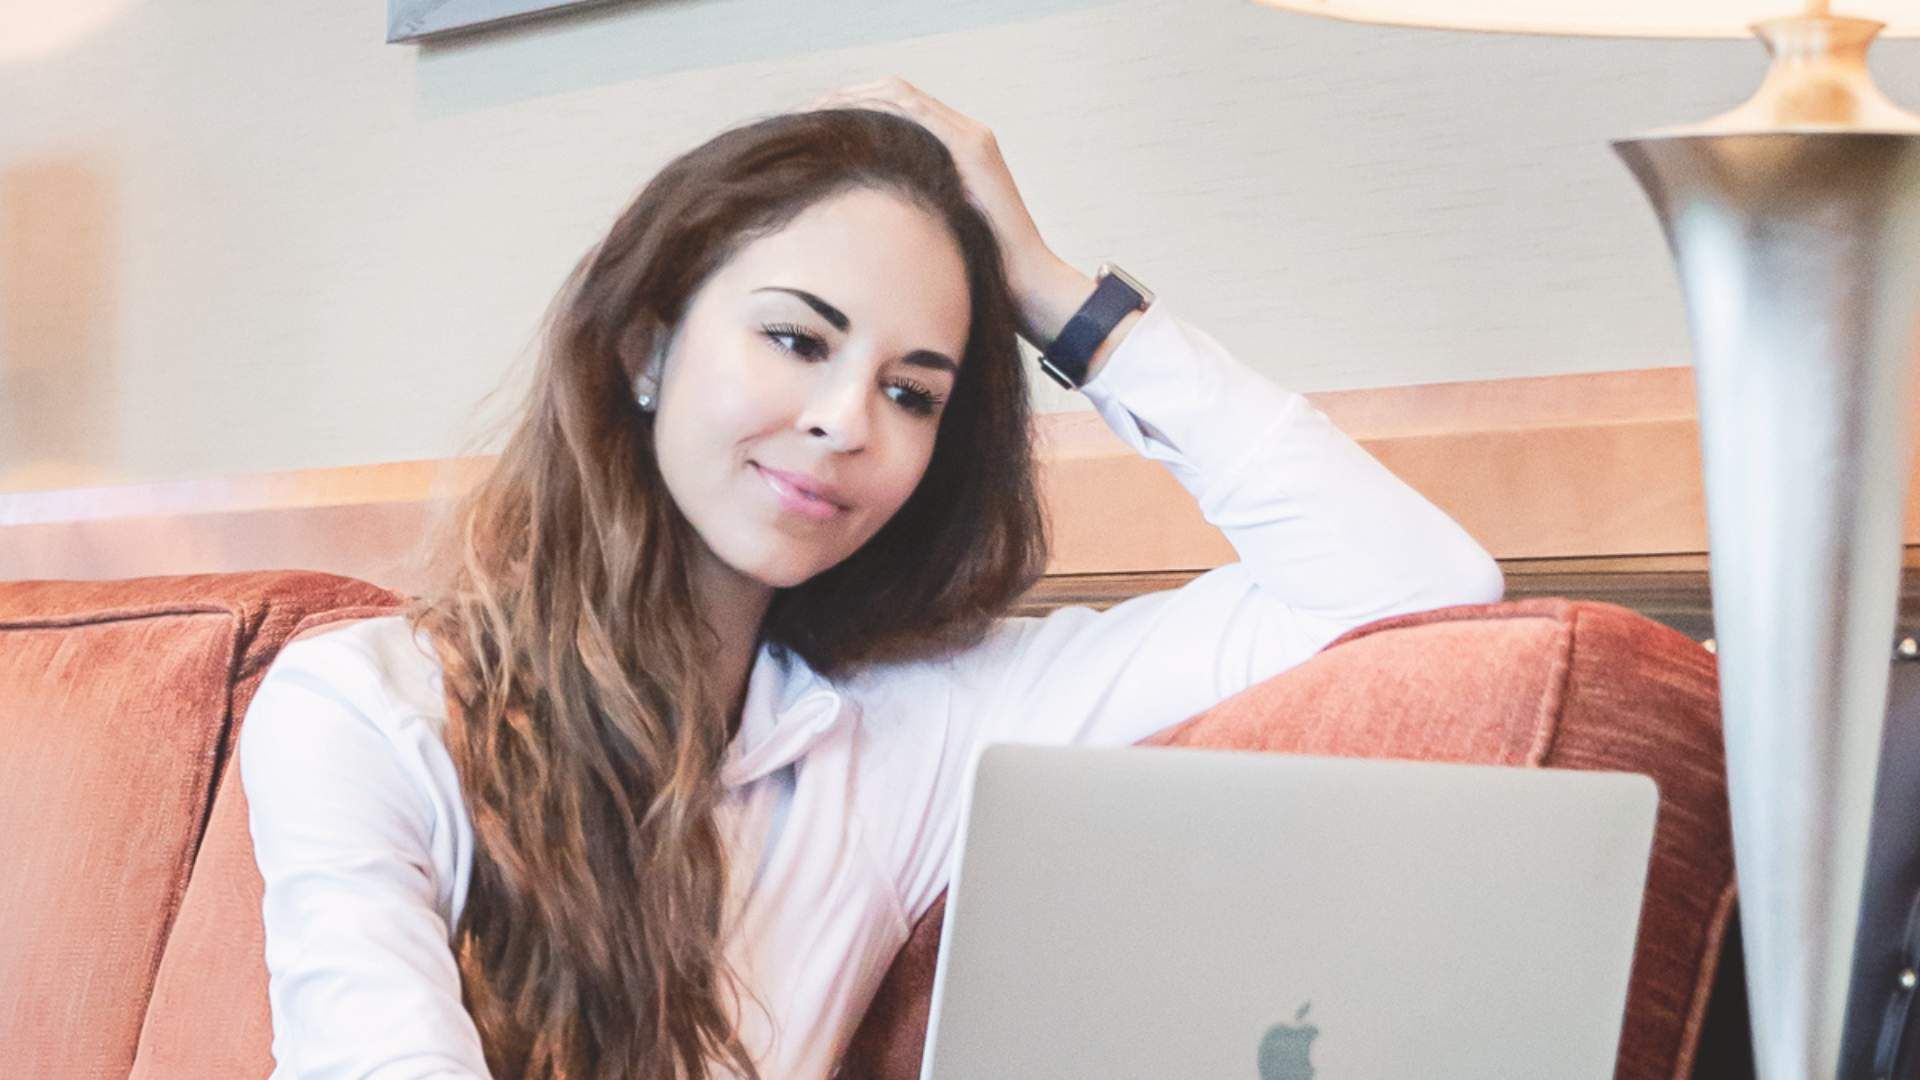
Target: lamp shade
x,y
1614,18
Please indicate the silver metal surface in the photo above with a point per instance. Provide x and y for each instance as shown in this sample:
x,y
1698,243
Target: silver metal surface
x,y
1134,913
1819,81
1798,254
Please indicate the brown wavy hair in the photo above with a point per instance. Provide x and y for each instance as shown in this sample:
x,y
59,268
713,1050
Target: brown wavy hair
x,y
563,608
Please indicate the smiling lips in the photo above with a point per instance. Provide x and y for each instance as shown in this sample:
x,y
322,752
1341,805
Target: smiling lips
x,y
786,487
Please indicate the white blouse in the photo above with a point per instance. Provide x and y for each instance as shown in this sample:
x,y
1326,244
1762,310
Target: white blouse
x,y
844,796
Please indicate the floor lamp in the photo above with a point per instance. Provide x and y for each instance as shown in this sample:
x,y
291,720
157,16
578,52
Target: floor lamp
x,y
1794,223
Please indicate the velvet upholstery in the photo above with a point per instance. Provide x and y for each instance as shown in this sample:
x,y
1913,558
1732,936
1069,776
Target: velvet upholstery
x,y
214,976
1525,683
117,702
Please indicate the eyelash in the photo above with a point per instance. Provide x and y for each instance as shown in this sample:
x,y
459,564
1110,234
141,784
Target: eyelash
x,y
920,400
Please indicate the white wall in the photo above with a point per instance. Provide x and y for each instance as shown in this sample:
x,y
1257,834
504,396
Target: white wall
x,y
239,237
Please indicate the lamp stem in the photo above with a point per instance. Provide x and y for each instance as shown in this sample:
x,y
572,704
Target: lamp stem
x,y
1799,254
1818,81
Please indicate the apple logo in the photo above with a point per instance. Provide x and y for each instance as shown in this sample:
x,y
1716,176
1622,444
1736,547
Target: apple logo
x,y
1285,1048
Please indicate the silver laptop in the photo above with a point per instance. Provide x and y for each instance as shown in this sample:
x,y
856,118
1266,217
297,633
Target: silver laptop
x,y
1173,913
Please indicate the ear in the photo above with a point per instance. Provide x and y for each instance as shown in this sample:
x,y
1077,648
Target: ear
x,y
634,342
657,363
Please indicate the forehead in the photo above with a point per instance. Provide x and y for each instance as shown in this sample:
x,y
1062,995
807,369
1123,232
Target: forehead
x,y
894,268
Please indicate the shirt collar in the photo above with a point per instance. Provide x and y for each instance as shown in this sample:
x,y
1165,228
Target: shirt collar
x,y
789,709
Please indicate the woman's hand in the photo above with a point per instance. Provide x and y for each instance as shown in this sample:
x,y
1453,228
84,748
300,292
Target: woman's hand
x,y
1047,289
977,154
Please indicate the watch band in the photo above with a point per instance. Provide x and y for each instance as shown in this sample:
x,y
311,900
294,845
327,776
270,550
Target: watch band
x,y
1117,293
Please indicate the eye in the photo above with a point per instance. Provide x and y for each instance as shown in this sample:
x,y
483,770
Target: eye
x,y
915,398
807,345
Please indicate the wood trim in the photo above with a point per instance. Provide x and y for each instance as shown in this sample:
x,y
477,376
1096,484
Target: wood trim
x,y
1099,591
1681,599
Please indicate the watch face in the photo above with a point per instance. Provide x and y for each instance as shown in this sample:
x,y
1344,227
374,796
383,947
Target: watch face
x,y
1146,294
1053,372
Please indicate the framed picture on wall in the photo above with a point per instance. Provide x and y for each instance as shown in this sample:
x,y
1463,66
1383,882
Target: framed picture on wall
x,y
415,20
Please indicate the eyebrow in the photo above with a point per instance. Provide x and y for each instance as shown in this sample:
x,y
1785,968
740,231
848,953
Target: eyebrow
x,y
926,358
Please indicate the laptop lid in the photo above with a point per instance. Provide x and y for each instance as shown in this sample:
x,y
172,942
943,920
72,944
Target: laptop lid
x,y
1179,912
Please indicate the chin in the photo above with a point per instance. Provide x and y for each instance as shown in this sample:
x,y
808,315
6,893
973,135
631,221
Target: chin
x,y
782,581
782,573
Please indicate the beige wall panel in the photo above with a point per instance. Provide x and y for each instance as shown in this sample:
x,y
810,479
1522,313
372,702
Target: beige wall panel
x,y
239,237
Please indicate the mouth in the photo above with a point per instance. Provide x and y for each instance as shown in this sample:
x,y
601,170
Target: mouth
x,y
794,500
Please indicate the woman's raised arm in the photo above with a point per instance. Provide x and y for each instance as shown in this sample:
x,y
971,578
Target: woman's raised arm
x,y
1328,540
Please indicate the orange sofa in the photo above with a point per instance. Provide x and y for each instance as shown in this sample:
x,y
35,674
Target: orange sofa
x,y
130,937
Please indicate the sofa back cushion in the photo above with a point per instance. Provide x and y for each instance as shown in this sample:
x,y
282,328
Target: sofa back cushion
x,y
115,699
213,977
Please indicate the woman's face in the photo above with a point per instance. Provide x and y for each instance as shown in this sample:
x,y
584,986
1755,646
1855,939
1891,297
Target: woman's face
x,y
841,388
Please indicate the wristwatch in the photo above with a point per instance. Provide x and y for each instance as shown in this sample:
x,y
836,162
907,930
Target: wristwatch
x,y
1116,294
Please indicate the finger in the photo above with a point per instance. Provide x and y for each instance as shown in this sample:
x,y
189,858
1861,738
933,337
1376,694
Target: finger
x,y
842,92
892,89
878,105
871,88
849,97
902,98
907,93
825,98
837,94
950,123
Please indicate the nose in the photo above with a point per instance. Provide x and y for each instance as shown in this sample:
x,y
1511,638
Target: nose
x,y
836,410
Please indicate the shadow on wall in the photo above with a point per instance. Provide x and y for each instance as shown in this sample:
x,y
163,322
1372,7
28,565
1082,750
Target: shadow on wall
x,y
58,222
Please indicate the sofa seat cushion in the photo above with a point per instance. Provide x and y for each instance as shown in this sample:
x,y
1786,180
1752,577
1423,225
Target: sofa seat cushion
x,y
115,699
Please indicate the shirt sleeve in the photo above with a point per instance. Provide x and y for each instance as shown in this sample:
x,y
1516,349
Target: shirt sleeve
x,y
361,975
1328,539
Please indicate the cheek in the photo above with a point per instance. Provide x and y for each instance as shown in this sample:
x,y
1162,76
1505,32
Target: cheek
x,y
902,481
729,400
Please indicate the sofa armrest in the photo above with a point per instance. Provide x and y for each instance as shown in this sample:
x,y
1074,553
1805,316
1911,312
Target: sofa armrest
x,y
1530,683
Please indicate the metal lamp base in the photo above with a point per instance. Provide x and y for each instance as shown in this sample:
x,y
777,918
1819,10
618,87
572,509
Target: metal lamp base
x,y
1799,254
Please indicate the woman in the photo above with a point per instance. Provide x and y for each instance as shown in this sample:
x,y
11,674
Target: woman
x,y
657,777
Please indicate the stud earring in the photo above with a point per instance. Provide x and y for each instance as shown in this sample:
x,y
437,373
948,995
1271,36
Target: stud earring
x,y
646,389
648,383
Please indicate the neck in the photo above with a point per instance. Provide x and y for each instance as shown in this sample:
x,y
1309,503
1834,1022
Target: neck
x,y
734,606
